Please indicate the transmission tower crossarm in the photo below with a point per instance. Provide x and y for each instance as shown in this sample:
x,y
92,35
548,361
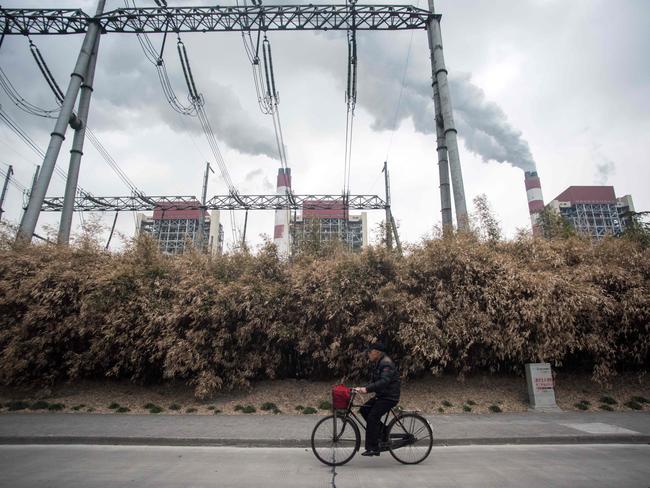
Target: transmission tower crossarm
x,y
87,203
218,18
43,21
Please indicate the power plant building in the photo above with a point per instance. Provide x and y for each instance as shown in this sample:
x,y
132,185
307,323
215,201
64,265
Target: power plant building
x,y
175,227
594,211
328,221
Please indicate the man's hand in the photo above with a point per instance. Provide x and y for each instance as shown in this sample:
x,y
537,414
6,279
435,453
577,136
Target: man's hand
x,y
360,389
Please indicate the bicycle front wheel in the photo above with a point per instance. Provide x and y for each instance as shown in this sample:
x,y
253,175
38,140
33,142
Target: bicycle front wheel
x,y
410,438
335,440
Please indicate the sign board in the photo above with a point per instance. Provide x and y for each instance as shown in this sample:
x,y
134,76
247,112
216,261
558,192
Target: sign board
x,y
541,392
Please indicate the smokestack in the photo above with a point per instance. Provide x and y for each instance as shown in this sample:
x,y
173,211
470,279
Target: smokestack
x,y
281,230
535,199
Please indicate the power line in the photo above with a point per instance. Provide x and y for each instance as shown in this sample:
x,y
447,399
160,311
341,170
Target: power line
x,y
22,134
13,181
351,99
21,103
157,60
401,92
28,107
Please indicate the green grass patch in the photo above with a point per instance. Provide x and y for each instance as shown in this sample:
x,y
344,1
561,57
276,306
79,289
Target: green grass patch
x,y
55,407
608,400
115,406
239,408
16,405
586,402
471,402
467,408
149,405
216,411
299,408
325,405
495,409
248,409
39,405
607,408
446,403
581,406
277,411
123,410
76,408
309,410
633,405
155,408
266,406
174,406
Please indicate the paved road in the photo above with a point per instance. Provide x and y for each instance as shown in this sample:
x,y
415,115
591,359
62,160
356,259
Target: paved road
x,y
70,466
294,430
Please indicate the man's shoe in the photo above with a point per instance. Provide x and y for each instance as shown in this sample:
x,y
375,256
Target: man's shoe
x,y
370,453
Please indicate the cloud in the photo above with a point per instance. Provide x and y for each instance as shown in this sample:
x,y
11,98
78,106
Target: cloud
x,y
258,175
604,170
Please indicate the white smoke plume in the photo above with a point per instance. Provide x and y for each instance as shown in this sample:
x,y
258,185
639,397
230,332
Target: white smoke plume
x,y
482,124
484,127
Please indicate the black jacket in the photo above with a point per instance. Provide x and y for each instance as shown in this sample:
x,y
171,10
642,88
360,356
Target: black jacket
x,y
385,382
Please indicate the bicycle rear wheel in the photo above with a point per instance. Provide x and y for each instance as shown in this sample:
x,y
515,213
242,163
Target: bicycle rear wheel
x,y
335,446
410,438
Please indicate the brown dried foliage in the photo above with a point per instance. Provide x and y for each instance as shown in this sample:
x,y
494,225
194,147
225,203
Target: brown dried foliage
x,y
452,304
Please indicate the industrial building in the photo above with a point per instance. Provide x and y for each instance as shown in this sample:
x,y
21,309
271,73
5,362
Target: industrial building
x,y
594,211
330,221
174,227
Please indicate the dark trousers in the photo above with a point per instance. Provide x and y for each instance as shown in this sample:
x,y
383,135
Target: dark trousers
x,y
372,411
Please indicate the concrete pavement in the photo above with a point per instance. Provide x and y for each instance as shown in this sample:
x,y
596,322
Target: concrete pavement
x,y
295,430
73,466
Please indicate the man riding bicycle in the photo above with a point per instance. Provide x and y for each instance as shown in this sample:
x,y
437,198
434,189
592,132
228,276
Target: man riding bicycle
x,y
385,383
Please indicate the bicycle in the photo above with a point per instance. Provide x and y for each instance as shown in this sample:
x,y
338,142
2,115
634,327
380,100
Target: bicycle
x,y
337,438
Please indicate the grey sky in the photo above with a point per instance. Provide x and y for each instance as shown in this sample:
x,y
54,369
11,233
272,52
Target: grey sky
x,y
566,84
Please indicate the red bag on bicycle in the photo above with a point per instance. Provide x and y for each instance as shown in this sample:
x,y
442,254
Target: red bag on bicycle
x,y
340,396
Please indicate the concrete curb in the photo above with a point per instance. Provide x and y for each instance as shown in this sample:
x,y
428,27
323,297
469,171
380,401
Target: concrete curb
x,y
305,443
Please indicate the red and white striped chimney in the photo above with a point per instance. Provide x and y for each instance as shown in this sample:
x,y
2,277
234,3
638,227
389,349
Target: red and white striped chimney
x,y
281,230
535,199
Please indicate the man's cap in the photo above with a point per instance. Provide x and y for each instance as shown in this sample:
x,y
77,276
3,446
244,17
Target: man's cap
x,y
379,346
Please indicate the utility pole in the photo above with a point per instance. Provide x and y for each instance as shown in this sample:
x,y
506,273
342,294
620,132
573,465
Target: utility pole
x,y
443,165
65,225
204,196
31,190
397,241
443,106
389,236
10,172
243,239
30,217
110,236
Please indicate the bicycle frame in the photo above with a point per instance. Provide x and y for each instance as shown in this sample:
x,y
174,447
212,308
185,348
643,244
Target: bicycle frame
x,y
349,414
